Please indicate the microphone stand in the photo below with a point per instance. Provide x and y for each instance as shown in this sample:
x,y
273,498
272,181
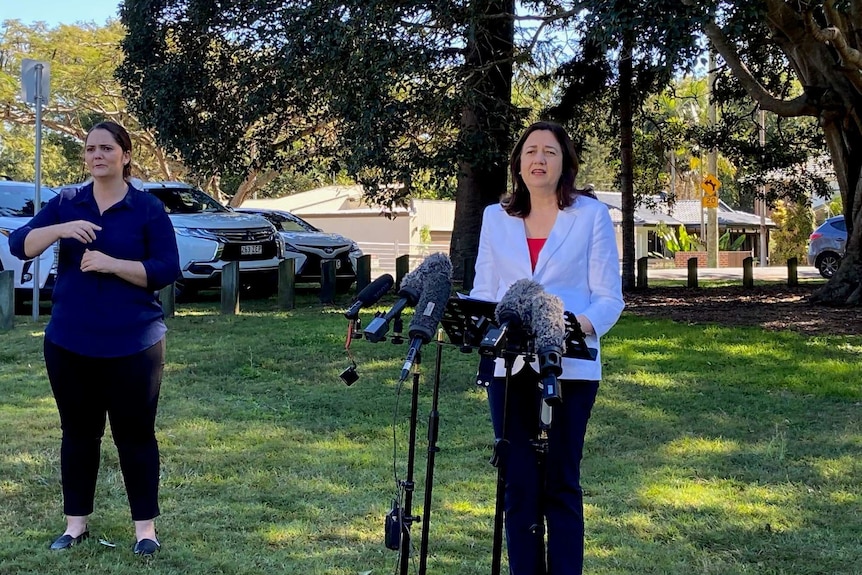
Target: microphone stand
x,y
407,518
433,430
500,460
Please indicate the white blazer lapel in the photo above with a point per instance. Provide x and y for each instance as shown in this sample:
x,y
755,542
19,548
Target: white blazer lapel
x,y
516,241
562,228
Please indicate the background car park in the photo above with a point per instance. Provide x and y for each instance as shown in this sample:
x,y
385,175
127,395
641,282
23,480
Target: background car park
x,y
16,208
209,235
316,245
826,246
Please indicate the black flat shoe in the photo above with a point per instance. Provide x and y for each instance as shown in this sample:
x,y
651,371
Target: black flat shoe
x,y
146,547
66,541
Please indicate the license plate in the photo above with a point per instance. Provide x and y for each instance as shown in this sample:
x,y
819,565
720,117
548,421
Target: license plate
x,y
251,250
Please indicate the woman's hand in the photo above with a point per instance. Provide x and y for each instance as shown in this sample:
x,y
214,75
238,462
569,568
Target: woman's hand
x,y
81,230
94,261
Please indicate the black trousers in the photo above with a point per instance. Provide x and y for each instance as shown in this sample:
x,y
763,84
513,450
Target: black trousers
x,y
539,493
127,390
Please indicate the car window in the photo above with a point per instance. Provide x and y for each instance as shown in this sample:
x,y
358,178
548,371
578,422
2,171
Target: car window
x,y
186,201
18,201
839,225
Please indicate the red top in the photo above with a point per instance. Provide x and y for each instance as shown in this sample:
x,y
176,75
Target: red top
x,y
535,245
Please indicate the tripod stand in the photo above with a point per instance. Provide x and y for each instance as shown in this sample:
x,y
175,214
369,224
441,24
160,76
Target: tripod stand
x,y
399,522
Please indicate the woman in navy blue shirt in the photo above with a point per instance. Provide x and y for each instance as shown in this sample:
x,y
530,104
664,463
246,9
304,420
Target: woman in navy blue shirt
x,y
104,345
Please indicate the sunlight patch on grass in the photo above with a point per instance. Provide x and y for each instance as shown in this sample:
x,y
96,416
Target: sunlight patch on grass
x,y
698,446
842,469
652,379
733,502
285,534
9,488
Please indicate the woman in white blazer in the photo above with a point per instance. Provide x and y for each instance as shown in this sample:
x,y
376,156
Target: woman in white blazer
x,y
548,231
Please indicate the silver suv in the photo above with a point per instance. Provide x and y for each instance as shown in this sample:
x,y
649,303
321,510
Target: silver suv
x,y
209,235
826,246
315,245
16,208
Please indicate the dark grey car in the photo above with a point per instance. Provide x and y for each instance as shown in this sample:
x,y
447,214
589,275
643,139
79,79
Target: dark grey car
x,y
826,246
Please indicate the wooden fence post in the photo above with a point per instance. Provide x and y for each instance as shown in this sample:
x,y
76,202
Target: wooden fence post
x,y
642,281
327,281
692,272
168,299
402,267
287,283
7,300
230,288
748,272
792,272
363,272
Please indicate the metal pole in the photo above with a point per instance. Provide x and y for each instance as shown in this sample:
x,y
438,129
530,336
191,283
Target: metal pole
x,y
762,200
37,196
712,162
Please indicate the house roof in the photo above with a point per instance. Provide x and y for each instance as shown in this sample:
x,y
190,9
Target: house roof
x,y
685,212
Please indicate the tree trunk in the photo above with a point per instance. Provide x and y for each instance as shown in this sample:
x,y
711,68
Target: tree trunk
x,y
486,119
627,163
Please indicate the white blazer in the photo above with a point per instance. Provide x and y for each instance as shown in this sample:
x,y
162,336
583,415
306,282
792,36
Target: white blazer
x,y
579,263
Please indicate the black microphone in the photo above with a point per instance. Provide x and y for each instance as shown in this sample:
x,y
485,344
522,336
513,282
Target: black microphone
x,y
549,328
513,311
370,295
429,310
408,295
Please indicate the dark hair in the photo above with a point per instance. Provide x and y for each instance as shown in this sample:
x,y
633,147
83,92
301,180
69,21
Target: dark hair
x,y
121,136
517,203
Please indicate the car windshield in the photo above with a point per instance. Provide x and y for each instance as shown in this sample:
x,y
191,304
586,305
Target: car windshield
x,y
18,201
288,222
186,201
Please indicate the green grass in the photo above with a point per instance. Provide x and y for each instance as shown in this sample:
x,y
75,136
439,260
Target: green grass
x,y
711,450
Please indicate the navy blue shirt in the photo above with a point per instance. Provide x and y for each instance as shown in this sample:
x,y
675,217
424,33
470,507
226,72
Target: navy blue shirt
x,y
99,314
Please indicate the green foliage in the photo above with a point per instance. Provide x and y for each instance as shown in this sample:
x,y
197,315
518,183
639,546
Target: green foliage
x,y
725,244
679,241
701,451
83,91
795,223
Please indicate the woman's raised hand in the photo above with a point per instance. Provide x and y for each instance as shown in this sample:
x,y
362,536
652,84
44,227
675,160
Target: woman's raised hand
x,y
81,230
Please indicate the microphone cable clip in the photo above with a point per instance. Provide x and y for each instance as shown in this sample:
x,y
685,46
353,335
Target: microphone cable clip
x,y
354,329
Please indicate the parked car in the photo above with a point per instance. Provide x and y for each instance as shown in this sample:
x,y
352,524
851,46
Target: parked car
x,y
17,200
316,245
209,235
826,246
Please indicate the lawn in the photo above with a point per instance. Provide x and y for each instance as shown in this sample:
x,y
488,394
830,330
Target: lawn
x,y
711,450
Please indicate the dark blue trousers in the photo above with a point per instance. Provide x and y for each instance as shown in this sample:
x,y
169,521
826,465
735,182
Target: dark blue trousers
x,y
127,390
549,494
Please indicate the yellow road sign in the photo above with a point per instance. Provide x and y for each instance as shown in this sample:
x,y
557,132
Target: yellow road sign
x,y
710,185
709,201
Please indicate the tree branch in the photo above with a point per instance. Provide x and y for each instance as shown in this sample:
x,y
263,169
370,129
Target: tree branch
x,y
798,106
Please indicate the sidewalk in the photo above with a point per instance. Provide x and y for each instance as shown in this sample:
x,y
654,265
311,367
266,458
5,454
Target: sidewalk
x,y
769,273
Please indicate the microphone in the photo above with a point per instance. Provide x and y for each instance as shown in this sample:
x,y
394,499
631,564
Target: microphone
x,y
429,309
549,328
513,311
370,295
408,295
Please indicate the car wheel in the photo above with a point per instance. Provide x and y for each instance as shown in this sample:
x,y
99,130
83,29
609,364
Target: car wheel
x,y
828,264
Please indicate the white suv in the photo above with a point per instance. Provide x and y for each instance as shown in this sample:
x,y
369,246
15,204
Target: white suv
x,y
209,235
16,208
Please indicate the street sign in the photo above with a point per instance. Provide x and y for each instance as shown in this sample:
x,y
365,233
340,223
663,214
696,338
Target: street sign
x,y
710,185
34,72
709,201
